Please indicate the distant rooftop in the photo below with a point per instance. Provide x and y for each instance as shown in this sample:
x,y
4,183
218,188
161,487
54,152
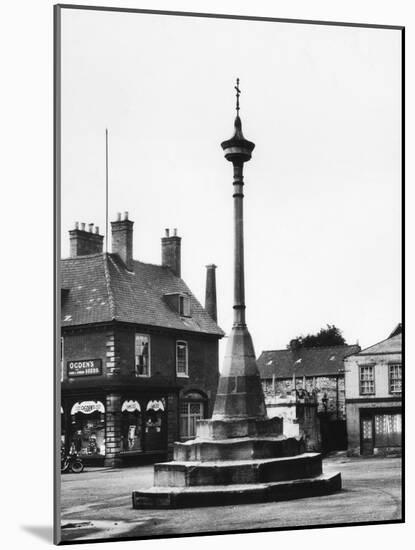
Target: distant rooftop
x,y
317,361
390,345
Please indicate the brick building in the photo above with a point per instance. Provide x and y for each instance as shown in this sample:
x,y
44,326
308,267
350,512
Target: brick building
x,y
374,397
316,373
139,353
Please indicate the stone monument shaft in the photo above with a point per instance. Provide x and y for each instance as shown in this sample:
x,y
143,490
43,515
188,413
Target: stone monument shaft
x,y
239,393
239,456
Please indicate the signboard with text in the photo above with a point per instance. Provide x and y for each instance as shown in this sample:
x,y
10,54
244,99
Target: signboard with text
x,y
84,367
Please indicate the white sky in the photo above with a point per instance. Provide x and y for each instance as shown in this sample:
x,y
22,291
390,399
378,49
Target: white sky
x,y
322,194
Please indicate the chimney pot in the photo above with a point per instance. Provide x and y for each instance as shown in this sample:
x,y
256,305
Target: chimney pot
x,y
175,232
171,253
83,242
122,239
97,230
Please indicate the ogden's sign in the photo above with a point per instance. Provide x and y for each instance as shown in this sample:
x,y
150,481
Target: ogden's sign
x,y
86,367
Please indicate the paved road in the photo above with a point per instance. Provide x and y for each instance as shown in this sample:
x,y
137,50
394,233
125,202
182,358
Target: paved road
x,y
97,503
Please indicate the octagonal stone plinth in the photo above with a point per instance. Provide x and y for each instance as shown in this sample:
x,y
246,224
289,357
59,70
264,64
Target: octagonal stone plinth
x,y
245,427
242,448
225,495
186,474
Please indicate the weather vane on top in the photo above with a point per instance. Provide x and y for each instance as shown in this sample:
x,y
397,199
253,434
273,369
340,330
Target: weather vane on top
x,y
238,93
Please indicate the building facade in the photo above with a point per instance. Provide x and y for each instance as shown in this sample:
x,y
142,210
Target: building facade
x,y
374,398
139,361
316,377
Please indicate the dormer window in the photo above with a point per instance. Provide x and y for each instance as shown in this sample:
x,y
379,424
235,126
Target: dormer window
x,y
179,302
184,306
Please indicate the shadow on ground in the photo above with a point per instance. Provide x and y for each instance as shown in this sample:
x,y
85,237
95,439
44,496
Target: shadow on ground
x,y
43,532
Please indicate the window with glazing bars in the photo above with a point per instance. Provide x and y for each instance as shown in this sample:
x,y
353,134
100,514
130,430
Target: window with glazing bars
x,y
395,378
142,355
190,413
181,358
367,380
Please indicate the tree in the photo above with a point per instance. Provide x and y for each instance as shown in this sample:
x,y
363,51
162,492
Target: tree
x,y
330,336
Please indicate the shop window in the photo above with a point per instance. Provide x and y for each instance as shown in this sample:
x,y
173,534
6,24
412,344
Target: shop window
x,y
388,430
190,413
367,380
131,427
88,428
395,378
142,355
181,359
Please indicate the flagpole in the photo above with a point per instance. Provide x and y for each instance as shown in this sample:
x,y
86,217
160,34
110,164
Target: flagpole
x,y
106,189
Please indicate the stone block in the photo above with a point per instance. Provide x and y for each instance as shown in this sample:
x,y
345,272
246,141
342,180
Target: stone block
x,y
251,427
237,449
186,474
223,495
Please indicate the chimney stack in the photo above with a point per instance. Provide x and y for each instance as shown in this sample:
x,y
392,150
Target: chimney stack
x,y
84,242
170,252
122,239
210,296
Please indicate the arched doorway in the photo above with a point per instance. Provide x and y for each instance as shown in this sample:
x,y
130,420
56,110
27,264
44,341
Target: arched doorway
x,y
192,408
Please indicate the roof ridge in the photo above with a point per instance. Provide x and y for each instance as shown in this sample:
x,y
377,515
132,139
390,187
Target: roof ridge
x,y
312,347
108,284
96,254
154,265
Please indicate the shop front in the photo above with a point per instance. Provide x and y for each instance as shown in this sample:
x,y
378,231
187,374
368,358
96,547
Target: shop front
x,y
137,428
380,431
143,426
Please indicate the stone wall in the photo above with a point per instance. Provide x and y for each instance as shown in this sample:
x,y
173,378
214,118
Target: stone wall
x,y
330,387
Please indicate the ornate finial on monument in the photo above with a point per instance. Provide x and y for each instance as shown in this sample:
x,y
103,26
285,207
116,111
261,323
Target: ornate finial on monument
x,y
238,93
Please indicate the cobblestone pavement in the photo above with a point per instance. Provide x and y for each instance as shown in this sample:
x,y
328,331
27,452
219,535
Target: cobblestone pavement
x,y
97,503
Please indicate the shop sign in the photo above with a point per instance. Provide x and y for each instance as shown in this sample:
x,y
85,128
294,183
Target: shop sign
x,y
88,407
130,406
85,367
155,405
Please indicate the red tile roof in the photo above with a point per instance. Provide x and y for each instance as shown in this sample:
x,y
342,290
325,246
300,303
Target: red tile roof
x,y
318,361
101,289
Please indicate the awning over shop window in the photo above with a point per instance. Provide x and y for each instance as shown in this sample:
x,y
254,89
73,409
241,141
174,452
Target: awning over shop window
x,y
88,407
130,406
155,405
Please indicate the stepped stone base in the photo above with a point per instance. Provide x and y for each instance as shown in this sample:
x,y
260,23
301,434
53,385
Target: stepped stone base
x,y
186,474
221,495
242,448
237,461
